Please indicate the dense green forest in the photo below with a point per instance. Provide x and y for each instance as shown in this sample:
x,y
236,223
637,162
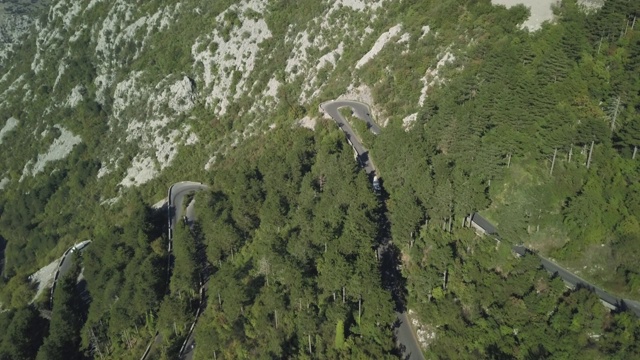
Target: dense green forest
x,y
486,140
290,226
537,131
23,331
482,301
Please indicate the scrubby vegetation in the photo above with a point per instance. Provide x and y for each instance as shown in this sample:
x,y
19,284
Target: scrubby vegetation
x,y
538,131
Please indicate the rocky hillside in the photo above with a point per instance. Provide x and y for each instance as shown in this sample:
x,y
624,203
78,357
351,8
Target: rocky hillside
x,y
16,17
133,82
137,83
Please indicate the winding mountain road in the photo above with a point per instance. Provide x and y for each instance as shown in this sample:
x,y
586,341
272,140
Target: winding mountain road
x,y
64,266
362,111
574,280
175,199
176,195
405,336
404,333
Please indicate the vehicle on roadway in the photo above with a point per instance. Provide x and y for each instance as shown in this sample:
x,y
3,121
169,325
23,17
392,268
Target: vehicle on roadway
x,y
376,184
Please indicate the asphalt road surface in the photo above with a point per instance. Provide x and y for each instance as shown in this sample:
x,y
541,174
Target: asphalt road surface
x,y
177,192
65,265
574,281
189,344
189,347
407,341
361,111
176,195
405,336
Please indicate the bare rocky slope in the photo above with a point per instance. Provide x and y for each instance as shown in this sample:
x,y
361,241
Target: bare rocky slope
x,y
158,75
149,67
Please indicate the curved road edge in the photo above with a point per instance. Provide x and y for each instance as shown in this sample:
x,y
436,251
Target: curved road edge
x,y
63,266
404,333
574,280
176,195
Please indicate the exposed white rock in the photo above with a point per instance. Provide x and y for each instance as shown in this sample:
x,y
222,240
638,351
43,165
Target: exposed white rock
x,y
425,334
92,4
142,170
75,97
192,139
311,82
211,162
71,13
62,66
102,82
307,122
5,76
109,202
309,56
126,93
166,148
359,4
299,62
330,57
272,88
301,44
591,5
45,38
123,24
4,182
44,277
378,45
180,96
15,85
361,93
540,11
8,126
150,135
223,57
108,29
77,34
65,10
408,121
432,77
60,148
425,30
107,167
12,28
159,204
404,39
104,170
145,108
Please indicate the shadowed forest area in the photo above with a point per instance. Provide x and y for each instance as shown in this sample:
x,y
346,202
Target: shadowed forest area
x,y
540,133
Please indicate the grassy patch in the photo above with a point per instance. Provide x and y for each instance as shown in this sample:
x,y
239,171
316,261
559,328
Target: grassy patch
x,y
339,342
527,206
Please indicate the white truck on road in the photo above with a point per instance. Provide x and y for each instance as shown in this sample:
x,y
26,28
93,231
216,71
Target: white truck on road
x,y
376,184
